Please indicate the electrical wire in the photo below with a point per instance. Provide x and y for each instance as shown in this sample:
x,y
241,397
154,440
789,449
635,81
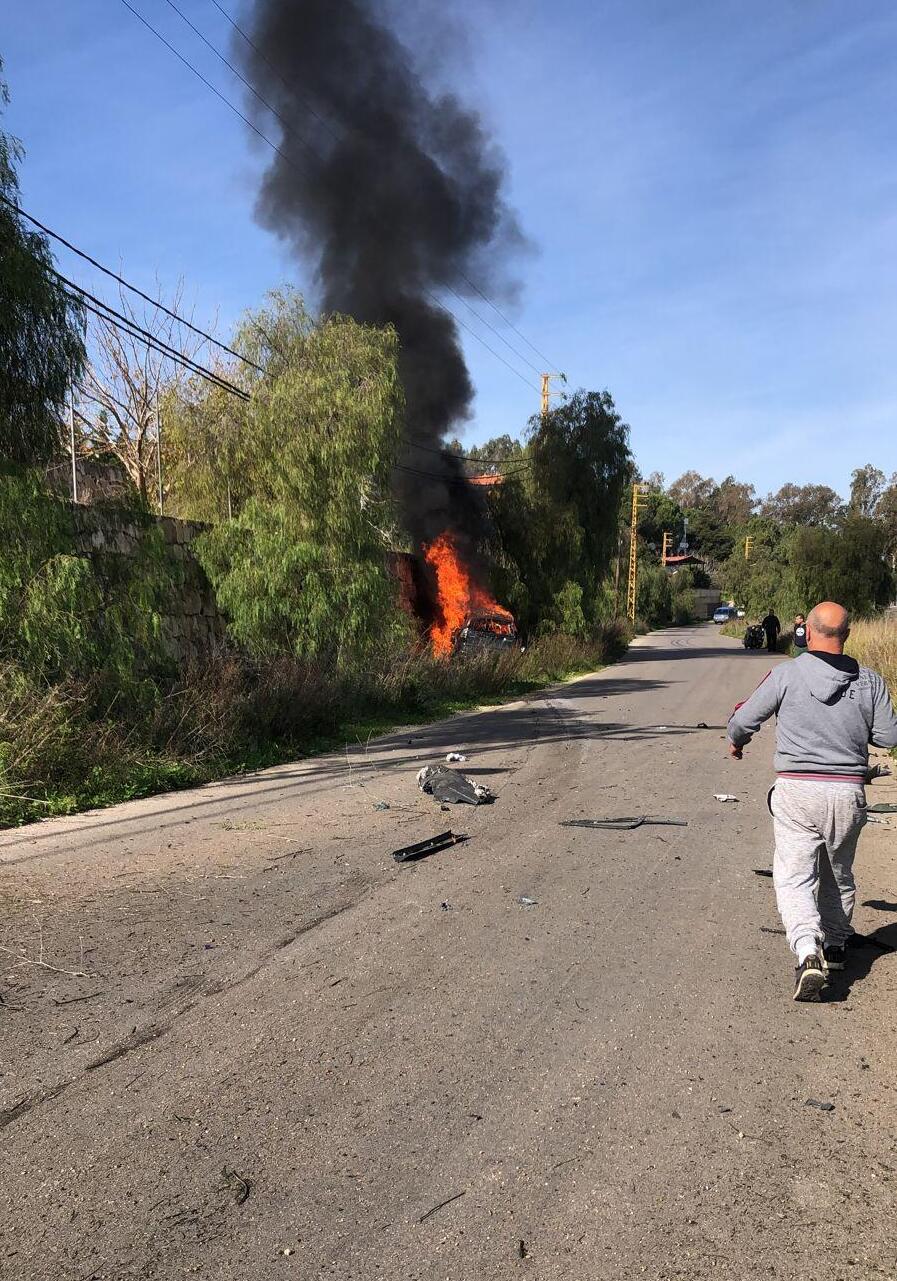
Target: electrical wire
x,y
291,161
107,313
121,280
518,463
308,107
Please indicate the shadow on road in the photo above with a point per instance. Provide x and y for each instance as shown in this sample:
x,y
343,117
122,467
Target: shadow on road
x,y
860,961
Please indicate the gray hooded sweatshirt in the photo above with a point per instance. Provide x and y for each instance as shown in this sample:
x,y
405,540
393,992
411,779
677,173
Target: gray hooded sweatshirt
x,y
828,710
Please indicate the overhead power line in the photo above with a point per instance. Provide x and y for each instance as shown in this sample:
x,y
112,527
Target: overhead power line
x,y
446,452
127,284
117,318
292,162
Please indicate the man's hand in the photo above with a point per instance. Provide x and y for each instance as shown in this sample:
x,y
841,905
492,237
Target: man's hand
x,y
734,752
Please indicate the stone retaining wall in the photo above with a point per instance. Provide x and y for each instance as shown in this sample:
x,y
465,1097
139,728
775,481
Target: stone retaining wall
x,y
193,625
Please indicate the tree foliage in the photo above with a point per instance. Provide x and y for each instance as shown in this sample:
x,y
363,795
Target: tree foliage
x,y
556,521
802,505
40,338
302,566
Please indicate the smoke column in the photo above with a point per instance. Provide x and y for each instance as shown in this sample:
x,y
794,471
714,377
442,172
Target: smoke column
x,y
396,193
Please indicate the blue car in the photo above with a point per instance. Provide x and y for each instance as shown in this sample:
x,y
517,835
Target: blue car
x,y
725,614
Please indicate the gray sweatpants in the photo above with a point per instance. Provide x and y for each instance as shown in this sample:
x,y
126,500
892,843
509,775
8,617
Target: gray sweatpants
x,y
817,825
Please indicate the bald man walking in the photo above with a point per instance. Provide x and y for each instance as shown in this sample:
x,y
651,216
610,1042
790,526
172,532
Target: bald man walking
x,y
828,710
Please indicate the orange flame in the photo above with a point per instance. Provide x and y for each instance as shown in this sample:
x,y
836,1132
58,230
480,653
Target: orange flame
x,y
457,595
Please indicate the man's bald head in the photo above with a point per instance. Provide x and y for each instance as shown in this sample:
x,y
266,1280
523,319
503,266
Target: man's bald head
x,y
828,626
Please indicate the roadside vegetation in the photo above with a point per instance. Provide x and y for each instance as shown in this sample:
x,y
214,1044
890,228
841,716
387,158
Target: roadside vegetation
x,y
873,642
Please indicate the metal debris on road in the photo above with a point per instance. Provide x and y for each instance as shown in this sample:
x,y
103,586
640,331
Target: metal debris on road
x,y
381,805
454,757
882,807
702,725
624,824
878,771
761,871
445,907
724,796
525,901
452,787
817,1103
432,845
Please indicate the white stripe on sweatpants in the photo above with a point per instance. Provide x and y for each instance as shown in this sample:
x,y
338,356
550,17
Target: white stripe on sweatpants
x,y
816,827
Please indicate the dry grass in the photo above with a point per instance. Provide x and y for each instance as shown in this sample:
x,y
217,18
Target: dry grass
x,y
873,641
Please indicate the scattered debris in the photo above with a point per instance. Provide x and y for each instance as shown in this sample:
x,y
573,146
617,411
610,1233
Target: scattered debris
x,y
432,845
761,871
878,771
452,787
524,901
882,807
381,805
624,824
454,757
702,725
724,796
816,1103
441,1205
768,929
661,727
724,1110
237,1184
522,1251
72,1000
445,907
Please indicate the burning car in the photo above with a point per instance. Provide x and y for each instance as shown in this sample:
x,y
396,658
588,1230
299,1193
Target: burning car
x,y
486,629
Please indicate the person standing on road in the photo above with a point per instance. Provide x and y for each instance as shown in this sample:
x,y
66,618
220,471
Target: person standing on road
x,y
828,710
772,627
800,632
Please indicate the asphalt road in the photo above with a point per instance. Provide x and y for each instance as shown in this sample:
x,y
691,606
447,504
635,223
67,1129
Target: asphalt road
x,y
256,1047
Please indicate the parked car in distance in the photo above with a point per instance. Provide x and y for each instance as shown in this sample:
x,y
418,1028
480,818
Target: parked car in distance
x,y
725,614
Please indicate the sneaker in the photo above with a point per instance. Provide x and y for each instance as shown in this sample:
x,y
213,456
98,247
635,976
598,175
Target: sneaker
x,y
834,955
809,980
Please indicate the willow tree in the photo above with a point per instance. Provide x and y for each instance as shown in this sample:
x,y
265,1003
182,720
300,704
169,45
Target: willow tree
x,y
40,338
302,565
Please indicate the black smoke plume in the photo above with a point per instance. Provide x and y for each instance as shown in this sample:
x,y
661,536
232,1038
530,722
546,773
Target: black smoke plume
x,y
394,192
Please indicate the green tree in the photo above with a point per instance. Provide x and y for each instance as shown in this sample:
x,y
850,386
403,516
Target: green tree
x,y
581,463
40,339
302,566
867,484
802,505
692,490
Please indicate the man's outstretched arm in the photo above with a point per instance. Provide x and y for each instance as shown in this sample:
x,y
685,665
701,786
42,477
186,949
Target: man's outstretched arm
x,y
750,715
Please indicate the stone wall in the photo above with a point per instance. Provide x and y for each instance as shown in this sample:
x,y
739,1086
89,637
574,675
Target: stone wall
x,y
193,626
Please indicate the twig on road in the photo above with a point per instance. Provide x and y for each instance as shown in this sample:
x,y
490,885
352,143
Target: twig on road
x,y
441,1204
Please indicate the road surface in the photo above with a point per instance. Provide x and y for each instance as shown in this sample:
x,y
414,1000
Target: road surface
x,y
265,1050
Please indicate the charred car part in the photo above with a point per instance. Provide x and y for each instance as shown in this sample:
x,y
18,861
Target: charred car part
x,y
484,630
432,845
450,787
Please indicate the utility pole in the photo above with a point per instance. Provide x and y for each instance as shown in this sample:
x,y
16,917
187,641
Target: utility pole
x,y
72,434
632,590
547,393
665,554
748,547
159,456
617,571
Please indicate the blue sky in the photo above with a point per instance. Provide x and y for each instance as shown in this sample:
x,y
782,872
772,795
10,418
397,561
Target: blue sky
x,y
710,189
